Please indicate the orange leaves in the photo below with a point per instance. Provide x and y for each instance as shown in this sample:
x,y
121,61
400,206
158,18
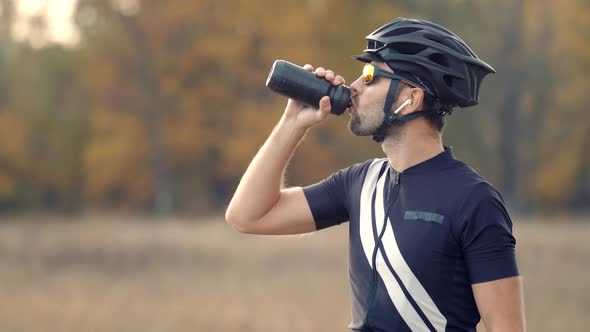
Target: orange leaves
x,y
117,157
172,94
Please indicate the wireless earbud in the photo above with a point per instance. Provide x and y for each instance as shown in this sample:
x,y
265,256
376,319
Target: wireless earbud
x,y
406,103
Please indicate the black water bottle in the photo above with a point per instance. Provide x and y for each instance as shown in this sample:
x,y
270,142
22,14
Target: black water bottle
x,y
297,83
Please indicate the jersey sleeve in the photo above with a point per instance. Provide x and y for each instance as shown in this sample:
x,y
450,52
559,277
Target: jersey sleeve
x,y
486,237
328,199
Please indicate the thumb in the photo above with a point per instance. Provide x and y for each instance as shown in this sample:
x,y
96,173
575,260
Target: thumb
x,y
325,107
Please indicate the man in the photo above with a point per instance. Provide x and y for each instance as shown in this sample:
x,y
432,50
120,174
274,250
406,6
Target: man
x,y
431,245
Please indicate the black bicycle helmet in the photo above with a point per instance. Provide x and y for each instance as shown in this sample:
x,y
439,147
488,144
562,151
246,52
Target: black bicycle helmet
x,y
450,68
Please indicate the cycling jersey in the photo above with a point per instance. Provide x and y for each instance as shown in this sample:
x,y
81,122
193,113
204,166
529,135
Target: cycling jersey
x,y
418,240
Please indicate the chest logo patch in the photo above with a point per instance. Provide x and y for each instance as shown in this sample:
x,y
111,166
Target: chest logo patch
x,y
426,216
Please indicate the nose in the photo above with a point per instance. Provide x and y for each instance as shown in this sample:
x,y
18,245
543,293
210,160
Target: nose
x,y
357,86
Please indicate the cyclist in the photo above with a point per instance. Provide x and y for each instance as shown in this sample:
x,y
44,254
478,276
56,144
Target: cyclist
x,y
431,243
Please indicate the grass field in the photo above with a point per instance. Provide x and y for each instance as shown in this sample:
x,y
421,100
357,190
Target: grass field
x,y
126,274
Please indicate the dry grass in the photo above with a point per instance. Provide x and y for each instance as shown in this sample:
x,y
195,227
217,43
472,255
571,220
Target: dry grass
x,y
122,274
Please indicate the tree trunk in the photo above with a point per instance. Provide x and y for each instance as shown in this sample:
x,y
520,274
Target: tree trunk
x,y
163,200
510,108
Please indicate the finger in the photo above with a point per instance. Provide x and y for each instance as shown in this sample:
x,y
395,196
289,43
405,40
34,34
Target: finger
x,y
308,67
325,106
338,80
329,75
320,72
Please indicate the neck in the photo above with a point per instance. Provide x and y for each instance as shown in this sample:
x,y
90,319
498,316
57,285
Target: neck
x,y
411,144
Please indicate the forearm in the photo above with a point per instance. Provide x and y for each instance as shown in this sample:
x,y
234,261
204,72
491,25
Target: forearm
x,y
260,186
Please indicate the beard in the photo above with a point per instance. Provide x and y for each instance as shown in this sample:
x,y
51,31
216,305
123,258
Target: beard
x,y
367,122
359,127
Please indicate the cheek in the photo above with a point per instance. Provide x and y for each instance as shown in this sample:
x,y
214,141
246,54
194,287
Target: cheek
x,y
372,101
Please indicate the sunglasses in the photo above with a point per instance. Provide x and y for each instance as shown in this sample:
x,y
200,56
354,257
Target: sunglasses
x,y
370,72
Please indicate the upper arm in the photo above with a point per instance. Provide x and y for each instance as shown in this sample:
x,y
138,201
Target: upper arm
x,y
500,304
489,249
486,238
291,214
303,210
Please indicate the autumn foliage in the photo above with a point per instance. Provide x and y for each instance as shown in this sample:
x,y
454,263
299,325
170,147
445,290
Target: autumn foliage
x,y
161,105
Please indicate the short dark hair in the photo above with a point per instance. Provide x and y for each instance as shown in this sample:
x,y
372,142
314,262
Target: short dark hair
x,y
433,117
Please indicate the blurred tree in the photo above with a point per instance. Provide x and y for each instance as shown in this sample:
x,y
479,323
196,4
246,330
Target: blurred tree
x,y
509,112
562,178
162,105
6,19
43,136
192,74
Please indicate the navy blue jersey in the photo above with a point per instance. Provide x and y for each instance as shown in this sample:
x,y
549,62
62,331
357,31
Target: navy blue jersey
x,y
418,240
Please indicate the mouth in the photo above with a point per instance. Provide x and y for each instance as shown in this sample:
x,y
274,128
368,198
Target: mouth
x,y
352,108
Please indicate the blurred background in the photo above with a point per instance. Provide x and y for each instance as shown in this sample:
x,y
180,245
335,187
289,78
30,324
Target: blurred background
x,y
125,126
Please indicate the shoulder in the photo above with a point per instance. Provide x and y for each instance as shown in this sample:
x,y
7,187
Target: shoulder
x,y
476,188
358,171
482,206
363,167
473,194
349,181
469,184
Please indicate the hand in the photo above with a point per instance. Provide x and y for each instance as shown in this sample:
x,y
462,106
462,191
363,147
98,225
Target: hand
x,y
306,116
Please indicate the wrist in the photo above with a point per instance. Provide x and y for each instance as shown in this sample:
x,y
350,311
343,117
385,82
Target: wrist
x,y
290,124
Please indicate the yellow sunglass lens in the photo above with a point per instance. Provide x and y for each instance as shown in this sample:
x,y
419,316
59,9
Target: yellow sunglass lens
x,y
368,72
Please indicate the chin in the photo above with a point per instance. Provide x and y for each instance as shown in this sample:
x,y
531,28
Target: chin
x,y
356,129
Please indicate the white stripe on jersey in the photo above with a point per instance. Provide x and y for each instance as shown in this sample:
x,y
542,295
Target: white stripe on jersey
x,y
400,266
409,280
366,215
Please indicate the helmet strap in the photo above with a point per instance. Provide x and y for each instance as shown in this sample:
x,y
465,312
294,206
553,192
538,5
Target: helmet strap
x,y
390,117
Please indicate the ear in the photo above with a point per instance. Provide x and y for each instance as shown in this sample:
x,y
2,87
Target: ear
x,y
416,96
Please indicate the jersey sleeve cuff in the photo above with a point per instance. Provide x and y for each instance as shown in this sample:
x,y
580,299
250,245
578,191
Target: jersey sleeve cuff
x,y
493,269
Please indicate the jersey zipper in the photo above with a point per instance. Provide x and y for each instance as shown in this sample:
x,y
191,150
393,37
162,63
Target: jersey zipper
x,y
373,292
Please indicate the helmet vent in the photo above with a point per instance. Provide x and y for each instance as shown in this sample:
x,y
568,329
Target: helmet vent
x,y
374,44
407,48
448,80
439,59
436,39
401,31
450,43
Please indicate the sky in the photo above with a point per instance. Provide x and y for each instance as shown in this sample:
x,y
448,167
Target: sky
x,y
59,18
